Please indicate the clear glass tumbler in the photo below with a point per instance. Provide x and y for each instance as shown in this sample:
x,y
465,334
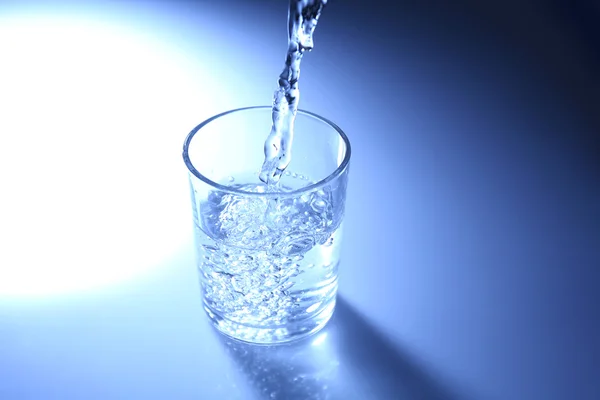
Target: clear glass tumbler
x,y
267,257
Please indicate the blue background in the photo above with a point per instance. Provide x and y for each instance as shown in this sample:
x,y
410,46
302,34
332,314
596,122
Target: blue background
x,y
472,243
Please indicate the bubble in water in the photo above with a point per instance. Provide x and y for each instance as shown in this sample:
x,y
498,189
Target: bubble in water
x,y
296,245
287,286
255,259
231,179
318,205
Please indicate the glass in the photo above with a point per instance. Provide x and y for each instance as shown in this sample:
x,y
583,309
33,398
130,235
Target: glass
x,y
267,257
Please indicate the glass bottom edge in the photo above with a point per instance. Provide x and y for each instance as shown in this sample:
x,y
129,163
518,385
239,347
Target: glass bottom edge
x,y
272,335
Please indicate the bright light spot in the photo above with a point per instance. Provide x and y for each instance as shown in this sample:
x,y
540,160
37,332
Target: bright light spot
x,y
92,119
320,339
313,307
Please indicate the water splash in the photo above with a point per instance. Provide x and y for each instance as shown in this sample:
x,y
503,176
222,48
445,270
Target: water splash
x,y
303,16
255,264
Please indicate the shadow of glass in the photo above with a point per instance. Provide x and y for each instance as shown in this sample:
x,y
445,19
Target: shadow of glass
x,y
348,359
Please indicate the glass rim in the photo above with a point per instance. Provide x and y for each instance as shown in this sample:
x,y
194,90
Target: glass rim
x,y
314,186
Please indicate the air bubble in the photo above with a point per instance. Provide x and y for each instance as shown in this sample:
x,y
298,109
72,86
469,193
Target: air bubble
x,y
286,286
318,205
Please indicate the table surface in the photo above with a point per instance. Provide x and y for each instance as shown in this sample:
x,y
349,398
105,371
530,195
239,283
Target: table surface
x,y
471,250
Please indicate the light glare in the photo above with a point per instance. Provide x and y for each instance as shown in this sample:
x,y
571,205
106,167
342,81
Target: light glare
x,y
93,117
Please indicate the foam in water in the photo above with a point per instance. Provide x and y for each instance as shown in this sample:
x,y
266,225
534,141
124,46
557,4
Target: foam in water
x,y
303,16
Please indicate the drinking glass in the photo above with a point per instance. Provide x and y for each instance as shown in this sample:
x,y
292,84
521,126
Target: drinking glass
x,y
267,255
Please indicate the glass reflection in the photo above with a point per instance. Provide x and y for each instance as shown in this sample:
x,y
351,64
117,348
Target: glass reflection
x,y
348,359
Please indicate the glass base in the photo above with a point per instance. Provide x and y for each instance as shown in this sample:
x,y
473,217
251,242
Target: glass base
x,y
272,335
